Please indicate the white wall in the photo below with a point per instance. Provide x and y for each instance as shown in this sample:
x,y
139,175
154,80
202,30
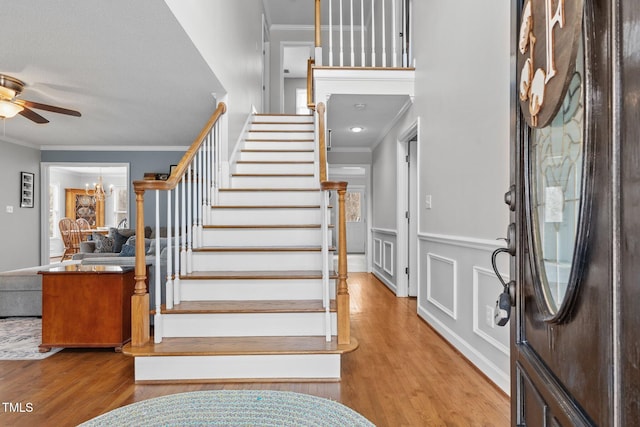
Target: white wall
x,y
228,34
462,101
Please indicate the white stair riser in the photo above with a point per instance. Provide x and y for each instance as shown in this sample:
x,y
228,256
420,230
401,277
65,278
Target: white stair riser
x,y
253,289
262,237
281,126
275,168
246,325
166,368
287,136
269,198
273,182
267,216
256,261
284,118
279,145
265,156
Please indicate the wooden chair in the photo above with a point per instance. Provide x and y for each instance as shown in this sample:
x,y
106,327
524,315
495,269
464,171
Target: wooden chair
x,y
84,227
71,237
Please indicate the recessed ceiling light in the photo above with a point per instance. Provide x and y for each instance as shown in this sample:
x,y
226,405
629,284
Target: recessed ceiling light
x,y
357,129
360,106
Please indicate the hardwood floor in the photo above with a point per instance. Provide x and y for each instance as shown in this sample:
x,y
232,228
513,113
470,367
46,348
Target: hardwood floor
x,y
403,374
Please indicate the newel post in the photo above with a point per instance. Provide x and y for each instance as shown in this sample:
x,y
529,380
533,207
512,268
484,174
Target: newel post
x,y
342,288
140,298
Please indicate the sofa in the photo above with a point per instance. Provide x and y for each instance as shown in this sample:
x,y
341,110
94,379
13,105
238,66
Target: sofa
x,y
21,291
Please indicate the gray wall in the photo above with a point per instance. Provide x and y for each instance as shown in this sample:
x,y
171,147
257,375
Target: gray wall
x,y
462,107
20,230
290,86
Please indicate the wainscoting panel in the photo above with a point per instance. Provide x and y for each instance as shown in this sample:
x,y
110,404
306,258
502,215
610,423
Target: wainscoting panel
x,y
442,284
384,256
457,291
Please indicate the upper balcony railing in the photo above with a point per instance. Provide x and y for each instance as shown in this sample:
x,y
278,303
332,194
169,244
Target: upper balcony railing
x,y
363,33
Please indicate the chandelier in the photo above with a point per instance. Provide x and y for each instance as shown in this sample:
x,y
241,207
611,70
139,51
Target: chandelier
x,y
98,190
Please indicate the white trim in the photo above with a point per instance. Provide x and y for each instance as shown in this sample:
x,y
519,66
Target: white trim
x,y
464,241
451,312
384,231
389,270
476,293
394,122
389,284
495,374
377,253
114,148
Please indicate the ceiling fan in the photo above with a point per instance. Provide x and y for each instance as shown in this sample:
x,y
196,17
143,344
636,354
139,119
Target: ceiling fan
x,y
10,104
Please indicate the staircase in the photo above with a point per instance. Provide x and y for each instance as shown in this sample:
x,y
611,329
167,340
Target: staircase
x,y
252,307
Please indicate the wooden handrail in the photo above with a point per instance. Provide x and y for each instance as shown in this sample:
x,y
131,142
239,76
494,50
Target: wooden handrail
x,y
140,334
322,142
310,104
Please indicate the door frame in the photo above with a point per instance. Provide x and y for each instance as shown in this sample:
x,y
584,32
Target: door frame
x,y
405,258
283,46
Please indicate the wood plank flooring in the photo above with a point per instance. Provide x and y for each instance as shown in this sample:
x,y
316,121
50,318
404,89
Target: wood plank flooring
x,y
403,374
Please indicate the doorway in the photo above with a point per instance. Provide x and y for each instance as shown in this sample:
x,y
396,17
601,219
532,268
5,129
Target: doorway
x,y
293,73
407,213
61,179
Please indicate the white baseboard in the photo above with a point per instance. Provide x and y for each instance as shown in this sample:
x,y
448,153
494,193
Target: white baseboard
x,y
386,281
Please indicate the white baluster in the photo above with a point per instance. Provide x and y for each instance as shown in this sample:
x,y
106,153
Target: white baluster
x,y
189,220
326,298
373,33
384,35
362,55
394,35
330,33
157,318
353,57
183,222
341,38
169,263
176,280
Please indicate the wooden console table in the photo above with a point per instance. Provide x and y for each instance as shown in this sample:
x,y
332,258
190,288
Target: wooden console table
x,y
86,306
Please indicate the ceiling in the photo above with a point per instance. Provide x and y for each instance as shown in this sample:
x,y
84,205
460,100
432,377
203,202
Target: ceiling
x,y
123,65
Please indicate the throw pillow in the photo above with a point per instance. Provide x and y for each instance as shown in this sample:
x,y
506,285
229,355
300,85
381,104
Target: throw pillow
x,y
104,244
120,238
128,250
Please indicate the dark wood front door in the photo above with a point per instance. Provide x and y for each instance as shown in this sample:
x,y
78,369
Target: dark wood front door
x,y
575,204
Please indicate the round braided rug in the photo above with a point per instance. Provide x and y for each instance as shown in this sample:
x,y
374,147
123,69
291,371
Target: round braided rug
x,y
233,408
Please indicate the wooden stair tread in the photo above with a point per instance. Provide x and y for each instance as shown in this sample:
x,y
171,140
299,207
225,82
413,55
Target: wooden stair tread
x,y
265,226
283,130
278,140
231,346
265,207
282,123
240,275
248,306
245,150
261,249
274,162
268,189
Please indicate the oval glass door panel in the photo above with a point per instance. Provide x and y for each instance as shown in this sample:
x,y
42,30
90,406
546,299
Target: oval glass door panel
x,y
556,155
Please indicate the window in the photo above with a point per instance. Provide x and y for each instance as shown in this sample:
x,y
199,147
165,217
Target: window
x,y
353,206
120,203
54,210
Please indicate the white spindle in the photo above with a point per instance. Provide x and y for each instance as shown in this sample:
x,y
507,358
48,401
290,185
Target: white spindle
x,y
362,56
341,38
176,280
209,190
157,318
384,34
183,222
189,220
330,33
169,284
373,33
326,297
394,35
353,57
200,194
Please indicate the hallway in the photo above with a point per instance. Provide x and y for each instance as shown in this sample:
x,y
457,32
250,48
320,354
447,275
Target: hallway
x,y
403,374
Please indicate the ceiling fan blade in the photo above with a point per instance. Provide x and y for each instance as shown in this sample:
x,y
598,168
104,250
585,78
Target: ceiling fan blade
x,y
53,109
33,116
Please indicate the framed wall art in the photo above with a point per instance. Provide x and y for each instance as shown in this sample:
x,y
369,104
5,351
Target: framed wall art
x,y
27,189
